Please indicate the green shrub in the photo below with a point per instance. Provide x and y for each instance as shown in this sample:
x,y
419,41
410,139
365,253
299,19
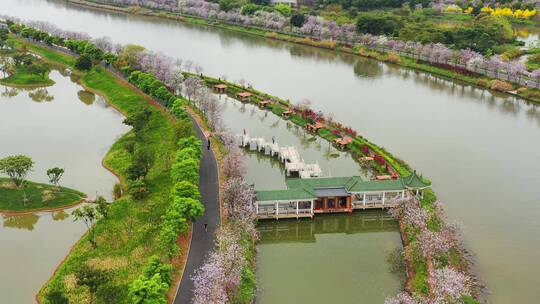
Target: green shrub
x,y
298,19
83,63
177,109
186,153
138,189
148,290
185,170
155,266
56,297
283,9
185,189
117,191
249,9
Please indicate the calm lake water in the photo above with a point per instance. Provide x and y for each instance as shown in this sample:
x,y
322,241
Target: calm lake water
x,y
63,126
344,256
482,151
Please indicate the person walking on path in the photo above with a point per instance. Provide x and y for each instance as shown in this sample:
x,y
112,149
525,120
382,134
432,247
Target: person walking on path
x,y
205,227
208,145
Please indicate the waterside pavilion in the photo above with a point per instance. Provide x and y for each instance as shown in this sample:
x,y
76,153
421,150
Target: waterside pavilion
x,y
305,197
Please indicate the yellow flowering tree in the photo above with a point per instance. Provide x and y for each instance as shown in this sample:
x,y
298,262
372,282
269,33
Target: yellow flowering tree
x,y
507,12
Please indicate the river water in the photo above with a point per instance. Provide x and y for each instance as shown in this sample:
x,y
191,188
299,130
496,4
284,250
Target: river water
x,y
63,126
482,151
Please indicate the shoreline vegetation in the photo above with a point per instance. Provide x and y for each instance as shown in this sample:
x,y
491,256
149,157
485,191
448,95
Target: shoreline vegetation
x,y
431,245
24,71
121,255
442,70
39,196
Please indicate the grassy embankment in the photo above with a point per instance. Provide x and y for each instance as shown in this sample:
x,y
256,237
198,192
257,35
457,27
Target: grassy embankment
x,y
128,236
478,80
38,197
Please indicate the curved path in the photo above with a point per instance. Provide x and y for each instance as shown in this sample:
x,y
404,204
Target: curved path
x,y
202,241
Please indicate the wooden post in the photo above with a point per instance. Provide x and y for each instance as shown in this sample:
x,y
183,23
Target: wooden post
x,y
296,209
383,197
402,193
256,208
277,209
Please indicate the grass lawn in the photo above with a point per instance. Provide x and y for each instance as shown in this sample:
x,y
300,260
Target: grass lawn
x,y
39,196
51,55
23,77
129,235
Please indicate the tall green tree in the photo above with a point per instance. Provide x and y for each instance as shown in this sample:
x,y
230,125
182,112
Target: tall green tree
x,y
89,215
16,167
55,174
141,164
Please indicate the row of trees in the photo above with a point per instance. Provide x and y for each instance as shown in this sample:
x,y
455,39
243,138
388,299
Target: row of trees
x,y
184,207
436,43
433,242
227,275
433,45
438,53
478,5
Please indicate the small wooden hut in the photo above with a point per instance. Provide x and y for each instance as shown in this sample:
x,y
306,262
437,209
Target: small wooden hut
x,y
287,113
342,142
220,88
243,96
265,103
315,127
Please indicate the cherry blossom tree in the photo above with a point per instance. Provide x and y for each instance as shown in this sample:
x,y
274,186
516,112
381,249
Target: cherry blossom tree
x,y
404,298
449,285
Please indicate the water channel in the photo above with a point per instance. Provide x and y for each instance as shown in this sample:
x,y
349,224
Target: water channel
x,y
481,150
62,125
333,258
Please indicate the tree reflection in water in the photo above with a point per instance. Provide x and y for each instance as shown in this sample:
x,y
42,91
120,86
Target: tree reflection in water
x,y
86,97
59,215
10,92
40,95
305,230
27,221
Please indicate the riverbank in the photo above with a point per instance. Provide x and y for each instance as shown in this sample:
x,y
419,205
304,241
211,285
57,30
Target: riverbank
x,y
39,197
441,70
117,242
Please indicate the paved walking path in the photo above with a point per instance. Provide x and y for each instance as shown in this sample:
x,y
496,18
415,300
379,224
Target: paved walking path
x,y
202,242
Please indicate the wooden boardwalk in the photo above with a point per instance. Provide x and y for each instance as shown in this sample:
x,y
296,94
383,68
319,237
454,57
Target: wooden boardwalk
x,y
288,155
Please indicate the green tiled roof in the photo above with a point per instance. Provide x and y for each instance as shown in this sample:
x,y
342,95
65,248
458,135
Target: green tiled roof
x,y
305,188
378,185
283,195
322,182
414,181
